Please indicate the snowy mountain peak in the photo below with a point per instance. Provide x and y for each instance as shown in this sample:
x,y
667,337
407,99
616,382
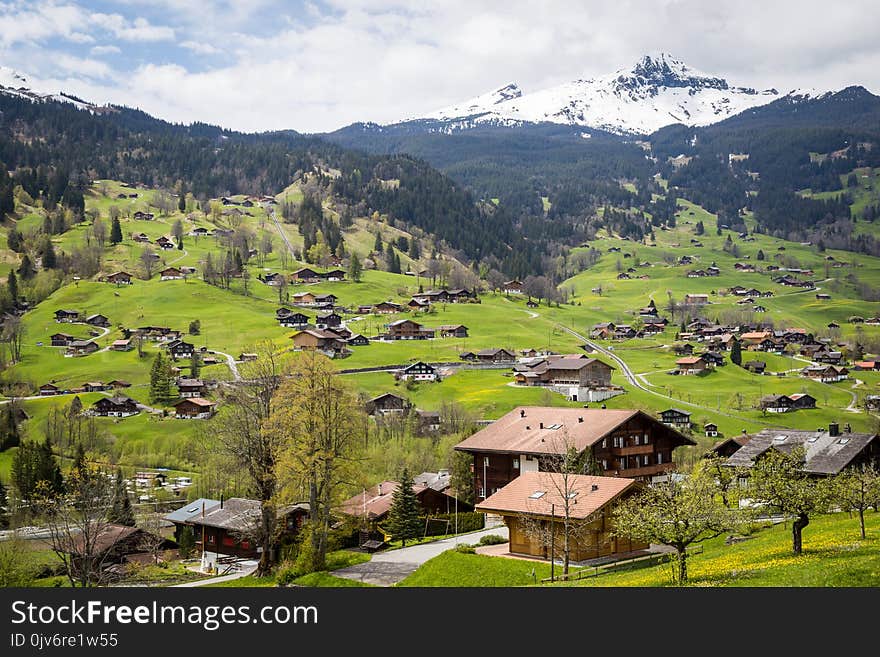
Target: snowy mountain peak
x,y
15,84
658,90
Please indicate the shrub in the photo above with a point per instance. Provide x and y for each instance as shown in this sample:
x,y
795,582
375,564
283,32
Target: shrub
x,y
492,539
464,548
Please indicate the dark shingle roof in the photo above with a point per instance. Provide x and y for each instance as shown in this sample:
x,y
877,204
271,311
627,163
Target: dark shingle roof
x,y
825,454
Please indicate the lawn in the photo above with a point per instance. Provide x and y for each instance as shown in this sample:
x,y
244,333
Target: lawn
x,y
834,556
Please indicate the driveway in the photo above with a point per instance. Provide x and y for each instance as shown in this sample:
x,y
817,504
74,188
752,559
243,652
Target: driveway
x,y
389,568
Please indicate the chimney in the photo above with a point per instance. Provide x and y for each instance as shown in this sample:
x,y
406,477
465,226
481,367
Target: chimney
x,y
541,425
221,500
380,488
847,428
833,429
522,412
580,419
527,427
594,487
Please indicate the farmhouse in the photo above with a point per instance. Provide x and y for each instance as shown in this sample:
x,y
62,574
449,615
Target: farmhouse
x,y
140,215
118,406
305,275
692,365
625,443
94,386
826,373
755,366
323,341
142,238
98,320
710,429
407,329
536,497
676,418
66,315
180,349
170,274
512,287
111,544
81,347
866,365
290,319
223,531
776,403
452,331
374,503
118,278
495,356
418,304
200,231
190,387
61,339
578,377
49,389
418,372
194,408
329,320
303,299
387,308
387,403
164,243
357,340
827,452
696,299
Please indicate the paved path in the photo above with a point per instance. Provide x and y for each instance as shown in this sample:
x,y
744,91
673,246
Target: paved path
x,y
232,365
281,232
247,569
389,568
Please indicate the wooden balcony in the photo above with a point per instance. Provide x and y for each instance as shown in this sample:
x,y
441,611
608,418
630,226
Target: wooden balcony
x,y
646,471
634,449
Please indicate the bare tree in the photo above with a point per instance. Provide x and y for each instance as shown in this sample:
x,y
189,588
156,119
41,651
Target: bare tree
x,y
99,231
856,489
12,334
241,437
79,533
148,262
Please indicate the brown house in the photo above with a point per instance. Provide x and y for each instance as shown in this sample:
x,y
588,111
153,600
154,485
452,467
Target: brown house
x,y
538,497
387,403
225,529
194,408
692,365
119,278
374,503
625,443
81,347
407,329
452,331
187,388
570,370
324,341
61,339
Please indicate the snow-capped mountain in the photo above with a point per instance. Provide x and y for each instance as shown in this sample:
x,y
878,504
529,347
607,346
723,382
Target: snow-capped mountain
x,y
13,83
658,91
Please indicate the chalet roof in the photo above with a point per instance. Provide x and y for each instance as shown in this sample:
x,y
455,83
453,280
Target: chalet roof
x,y
569,363
493,352
192,510
239,514
198,401
676,410
519,431
533,493
689,360
385,395
825,454
439,481
116,400
190,382
375,501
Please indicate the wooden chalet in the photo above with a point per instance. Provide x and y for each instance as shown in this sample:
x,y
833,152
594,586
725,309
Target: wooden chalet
x,y
328,320
452,331
117,406
537,497
98,320
419,371
194,408
224,530
111,545
675,417
191,388
625,443
291,319
324,341
755,366
171,274
564,370
866,365
49,389
373,504
61,339
81,347
357,340
512,287
95,386
118,278
303,299
66,316
725,448
498,355
388,403
387,308
696,299
710,429
180,349
305,275
407,329
691,365
140,215
826,452
826,373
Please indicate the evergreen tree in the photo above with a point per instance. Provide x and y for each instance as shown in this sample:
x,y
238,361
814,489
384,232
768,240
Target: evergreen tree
x,y
195,365
396,268
187,543
377,245
27,270
181,203
12,286
121,511
414,250
115,231
404,520
699,229
9,435
354,268
49,260
736,353
160,380
14,240
34,463
79,460
760,255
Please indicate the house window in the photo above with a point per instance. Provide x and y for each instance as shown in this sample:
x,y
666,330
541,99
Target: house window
x,y
483,492
211,539
245,545
529,457
486,461
604,464
645,439
228,541
604,442
645,460
516,464
659,458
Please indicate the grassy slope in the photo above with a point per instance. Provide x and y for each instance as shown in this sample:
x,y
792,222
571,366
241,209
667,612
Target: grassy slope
x,y
834,556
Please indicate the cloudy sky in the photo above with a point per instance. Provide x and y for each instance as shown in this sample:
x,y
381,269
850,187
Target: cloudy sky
x,y
318,65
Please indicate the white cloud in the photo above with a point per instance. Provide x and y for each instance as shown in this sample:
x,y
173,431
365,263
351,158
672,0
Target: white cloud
x,y
315,69
200,47
138,30
105,50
